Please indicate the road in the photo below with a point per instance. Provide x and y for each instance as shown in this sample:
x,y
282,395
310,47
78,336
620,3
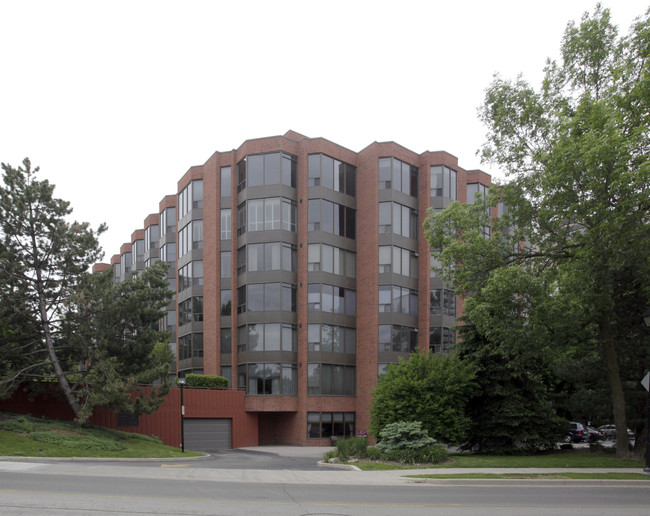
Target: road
x,y
85,488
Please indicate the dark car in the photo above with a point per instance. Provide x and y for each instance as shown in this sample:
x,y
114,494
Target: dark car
x,y
592,435
575,433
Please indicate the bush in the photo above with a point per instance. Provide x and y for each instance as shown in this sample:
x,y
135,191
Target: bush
x,y
206,380
404,435
426,455
19,425
354,447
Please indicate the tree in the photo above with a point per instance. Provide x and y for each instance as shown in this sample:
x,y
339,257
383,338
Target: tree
x,y
59,321
576,154
431,389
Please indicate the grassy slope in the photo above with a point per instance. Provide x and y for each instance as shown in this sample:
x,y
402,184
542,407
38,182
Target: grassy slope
x,y
23,436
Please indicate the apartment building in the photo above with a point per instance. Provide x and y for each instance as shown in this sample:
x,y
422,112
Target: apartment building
x,y
301,271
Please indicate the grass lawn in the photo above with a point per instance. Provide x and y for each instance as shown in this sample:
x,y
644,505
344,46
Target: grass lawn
x,y
558,459
24,436
545,476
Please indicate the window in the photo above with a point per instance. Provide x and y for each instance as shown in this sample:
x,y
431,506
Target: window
x,y
266,214
190,310
480,190
226,264
398,219
190,237
226,302
398,339
444,182
397,175
225,347
226,221
168,253
331,339
441,339
323,425
327,258
226,176
328,298
274,379
396,299
398,260
190,198
331,379
269,256
332,173
267,337
331,218
137,254
190,275
264,297
168,221
267,169
151,237
190,346
126,263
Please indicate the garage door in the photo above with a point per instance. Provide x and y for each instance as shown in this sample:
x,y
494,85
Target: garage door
x,y
208,435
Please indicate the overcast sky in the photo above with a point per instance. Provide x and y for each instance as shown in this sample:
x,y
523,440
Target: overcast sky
x,y
115,100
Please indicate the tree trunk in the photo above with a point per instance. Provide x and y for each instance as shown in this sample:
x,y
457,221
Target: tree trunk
x,y
615,385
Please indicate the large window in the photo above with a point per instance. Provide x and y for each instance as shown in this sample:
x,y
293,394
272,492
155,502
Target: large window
x,y
331,339
331,299
441,339
226,175
398,219
126,264
331,379
190,346
398,261
137,252
168,221
226,302
270,379
444,182
327,258
168,253
396,299
190,275
267,169
443,301
266,214
190,237
332,218
399,339
190,198
397,175
151,237
265,297
267,337
226,264
322,425
226,221
332,173
269,256
190,310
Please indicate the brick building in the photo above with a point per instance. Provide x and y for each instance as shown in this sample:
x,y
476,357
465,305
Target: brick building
x,y
301,271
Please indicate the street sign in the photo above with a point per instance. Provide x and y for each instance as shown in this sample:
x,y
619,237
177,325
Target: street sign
x,y
646,382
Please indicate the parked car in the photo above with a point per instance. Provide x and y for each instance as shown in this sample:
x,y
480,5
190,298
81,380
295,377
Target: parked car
x,y
609,432
592,435
575,433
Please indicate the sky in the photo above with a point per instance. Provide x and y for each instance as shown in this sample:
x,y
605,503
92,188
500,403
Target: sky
x,y
116,100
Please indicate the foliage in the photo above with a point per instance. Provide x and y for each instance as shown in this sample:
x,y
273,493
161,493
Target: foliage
x,y
353,447
568,265
426,455
404,435
208,381
432,389
511,411
59,322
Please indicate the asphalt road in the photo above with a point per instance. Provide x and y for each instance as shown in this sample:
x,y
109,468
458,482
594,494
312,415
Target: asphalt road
x,y
67,488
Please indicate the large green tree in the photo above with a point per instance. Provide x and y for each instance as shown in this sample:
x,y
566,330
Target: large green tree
x,y
59,321
576,155
431,389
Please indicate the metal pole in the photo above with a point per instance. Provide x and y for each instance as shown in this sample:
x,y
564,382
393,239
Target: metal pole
x,y
182,420
647,440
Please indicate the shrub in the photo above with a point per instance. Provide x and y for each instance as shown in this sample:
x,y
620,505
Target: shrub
x,y
354,447
404,435
206,380
19,425
429,454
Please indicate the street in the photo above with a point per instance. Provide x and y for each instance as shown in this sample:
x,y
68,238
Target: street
x,y
66,489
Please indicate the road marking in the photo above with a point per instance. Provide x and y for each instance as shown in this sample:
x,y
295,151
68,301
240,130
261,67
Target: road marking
x,y
174,465
20,466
